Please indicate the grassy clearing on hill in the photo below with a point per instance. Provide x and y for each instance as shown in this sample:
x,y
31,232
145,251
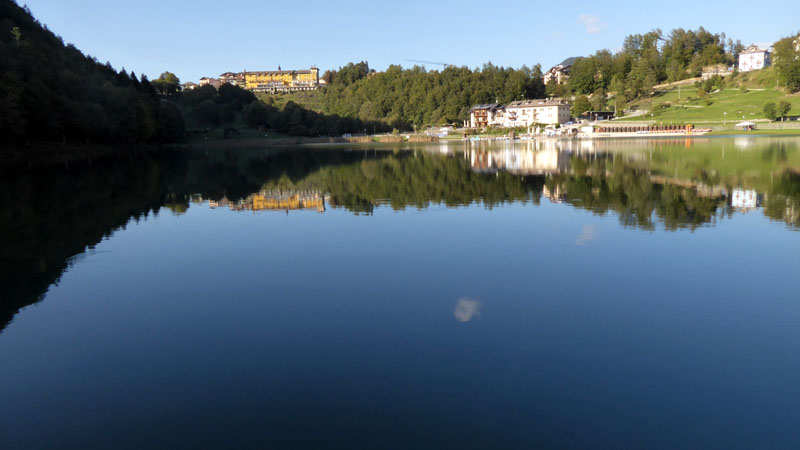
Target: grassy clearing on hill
x,y
730,104
309,99
765,78
742,98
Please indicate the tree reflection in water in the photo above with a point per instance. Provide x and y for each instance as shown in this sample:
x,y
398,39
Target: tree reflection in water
x,y
53,214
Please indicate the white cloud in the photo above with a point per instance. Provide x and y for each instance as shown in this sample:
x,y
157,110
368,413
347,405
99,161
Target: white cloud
x,y
592,23
467,309
588,234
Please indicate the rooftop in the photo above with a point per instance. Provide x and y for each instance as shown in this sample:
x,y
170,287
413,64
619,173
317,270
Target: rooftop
x,y
485,106
534,103
277,72
753,49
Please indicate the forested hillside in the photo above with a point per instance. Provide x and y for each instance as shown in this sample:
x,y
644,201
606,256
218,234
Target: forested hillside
x,y
50,91
407,97
646,60
403,98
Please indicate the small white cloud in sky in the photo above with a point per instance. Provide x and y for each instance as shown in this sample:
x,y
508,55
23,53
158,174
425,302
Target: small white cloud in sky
x,y
588,234
592,23
467,309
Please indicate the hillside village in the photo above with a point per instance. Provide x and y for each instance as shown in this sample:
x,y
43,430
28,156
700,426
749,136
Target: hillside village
x,y
561,106
663,79
554,111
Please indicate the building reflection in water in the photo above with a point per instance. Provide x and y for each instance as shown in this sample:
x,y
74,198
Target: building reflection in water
x,y
541,157
557,157
275,200
745,199
527,161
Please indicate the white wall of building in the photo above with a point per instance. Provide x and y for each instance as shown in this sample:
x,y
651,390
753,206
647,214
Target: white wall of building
x,y
753,61
525,116
525,113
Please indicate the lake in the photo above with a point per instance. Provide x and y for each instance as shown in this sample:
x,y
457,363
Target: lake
x,y
563,294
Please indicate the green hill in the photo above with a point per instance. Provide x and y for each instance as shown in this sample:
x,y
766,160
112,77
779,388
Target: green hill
x,y
741,97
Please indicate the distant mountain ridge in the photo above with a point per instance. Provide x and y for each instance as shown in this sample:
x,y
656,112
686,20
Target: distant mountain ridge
x,y
569,61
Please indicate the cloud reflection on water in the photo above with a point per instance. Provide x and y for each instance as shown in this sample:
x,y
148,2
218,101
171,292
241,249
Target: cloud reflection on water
x,y
588,234
467,309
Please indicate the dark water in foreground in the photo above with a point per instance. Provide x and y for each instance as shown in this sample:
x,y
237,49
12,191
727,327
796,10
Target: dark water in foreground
x,y
621,294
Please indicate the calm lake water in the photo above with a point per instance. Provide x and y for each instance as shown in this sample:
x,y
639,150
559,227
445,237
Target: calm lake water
x,y
614,294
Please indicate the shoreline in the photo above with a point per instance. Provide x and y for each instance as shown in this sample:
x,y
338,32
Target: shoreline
x,y
57,153
48,153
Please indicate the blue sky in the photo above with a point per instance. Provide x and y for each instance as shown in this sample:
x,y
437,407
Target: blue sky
x,y
198,38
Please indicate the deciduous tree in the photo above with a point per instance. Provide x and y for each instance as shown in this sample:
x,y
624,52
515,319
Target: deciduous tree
x,y
786,59
770,110
783,109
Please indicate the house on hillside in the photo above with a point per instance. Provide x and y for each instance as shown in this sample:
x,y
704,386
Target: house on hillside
x,y
236,79
212,81
559,73
188,86
753,58
716,70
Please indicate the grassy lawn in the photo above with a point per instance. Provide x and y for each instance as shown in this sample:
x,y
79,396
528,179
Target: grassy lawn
x,y
742,98
765,78
309,99
730,104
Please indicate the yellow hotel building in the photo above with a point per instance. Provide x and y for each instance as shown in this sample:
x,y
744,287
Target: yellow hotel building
x,y
282,80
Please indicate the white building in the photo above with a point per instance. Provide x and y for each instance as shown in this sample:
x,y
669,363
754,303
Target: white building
x,y
753,58
525,113
208,80
558,73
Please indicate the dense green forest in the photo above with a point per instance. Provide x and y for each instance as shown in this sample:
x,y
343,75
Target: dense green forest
x,y
404,98
50,91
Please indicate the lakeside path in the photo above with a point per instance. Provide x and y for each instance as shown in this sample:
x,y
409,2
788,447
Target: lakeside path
x,y
378,139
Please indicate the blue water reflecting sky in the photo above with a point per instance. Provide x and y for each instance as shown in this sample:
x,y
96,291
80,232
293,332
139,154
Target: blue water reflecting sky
x,y
517,326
